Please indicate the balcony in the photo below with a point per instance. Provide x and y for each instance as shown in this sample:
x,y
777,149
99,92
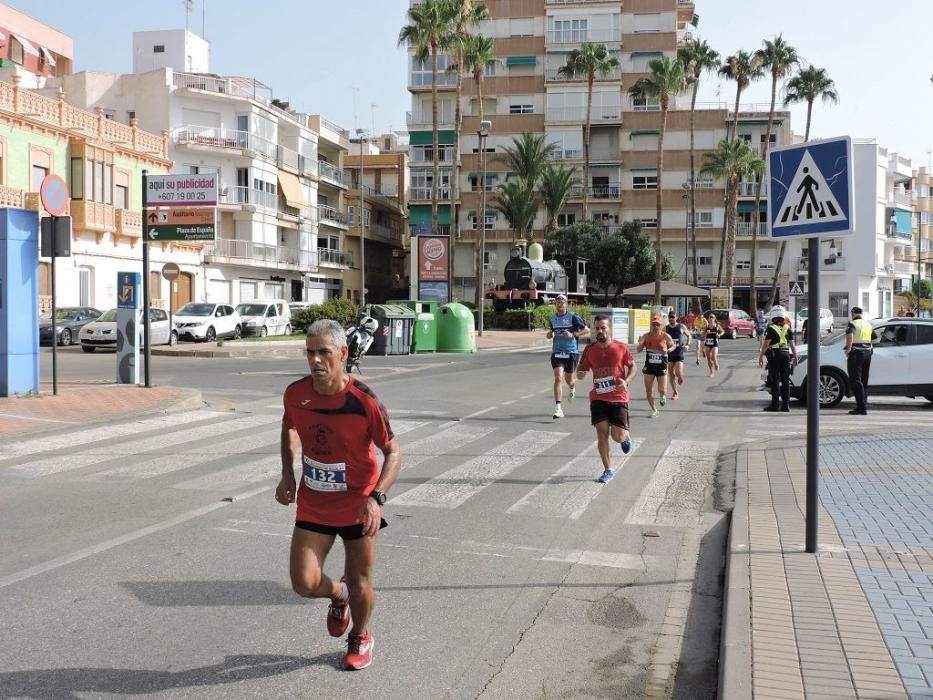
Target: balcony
x,y
613,191
240,197
422,79
328,172
598,113
748,189
745,229
553,75
827,264
329,216
222,139
423,120
904,269
578,36
129,223
11,197
900,198
575,2
384,233
260,255
423,194
568,154
93,216
327,257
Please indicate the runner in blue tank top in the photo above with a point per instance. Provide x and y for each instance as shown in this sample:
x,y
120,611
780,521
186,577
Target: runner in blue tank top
x,y
566,328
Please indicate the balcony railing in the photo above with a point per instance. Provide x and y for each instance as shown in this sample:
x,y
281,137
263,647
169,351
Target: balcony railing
x,y
572,2
746,229
568,154
386,233
223,138
423,119
748,189
577,36
249,196
553,75
330,172
899,198
335,127
293,161
11,197
422,194
93,216
578,114
129,223
327,257
260,254
598,191
329,215
423,78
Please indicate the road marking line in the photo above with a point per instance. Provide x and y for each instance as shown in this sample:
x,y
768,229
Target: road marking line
x,y
27,417
479,413
86,552
569,491
452,488
441,443
402,426
235,477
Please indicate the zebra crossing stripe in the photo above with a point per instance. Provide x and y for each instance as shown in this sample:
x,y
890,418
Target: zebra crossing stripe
x,y
104,432
69,462
443,442
402,426
452,488
570,490
233,478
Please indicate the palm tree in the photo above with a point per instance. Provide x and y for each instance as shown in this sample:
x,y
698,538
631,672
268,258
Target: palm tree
x,y
517,202
808,85
527,156
465,14
730,162
478,52
697,57
427,32
555,187
588,61
667,79
743,68
778,58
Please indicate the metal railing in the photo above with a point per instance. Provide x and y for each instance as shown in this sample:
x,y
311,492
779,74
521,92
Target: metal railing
x,y
553,75
261,253
249,196
335,127
424,193
577,36
385,232
220,137
578,114
568,154
748,189
900,198
425,119
598,191
746,229
331,257
329,171
423,78
287,158
329,215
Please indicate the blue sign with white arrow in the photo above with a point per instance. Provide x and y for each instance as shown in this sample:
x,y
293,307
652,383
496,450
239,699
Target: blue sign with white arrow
x,y
127,290
811,189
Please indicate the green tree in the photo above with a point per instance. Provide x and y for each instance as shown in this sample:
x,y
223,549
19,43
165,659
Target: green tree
x,y
588,61
697,57
779,58
555,186
730,162
666,79
527,156
478,52
427,32
517,201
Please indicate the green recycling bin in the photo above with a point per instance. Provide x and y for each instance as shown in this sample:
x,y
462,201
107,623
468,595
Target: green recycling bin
x,y
424,338
455,332
393,337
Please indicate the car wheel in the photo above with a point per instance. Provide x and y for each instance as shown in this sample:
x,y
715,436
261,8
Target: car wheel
x,y
173,338
832,388
65,338
238,332
263,332
211,335
88,348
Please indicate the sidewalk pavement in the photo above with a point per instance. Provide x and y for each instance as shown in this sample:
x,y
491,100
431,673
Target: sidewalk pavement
x,y
856,619
86,403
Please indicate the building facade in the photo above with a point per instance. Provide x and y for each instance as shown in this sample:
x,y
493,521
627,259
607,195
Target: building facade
x,y
32,50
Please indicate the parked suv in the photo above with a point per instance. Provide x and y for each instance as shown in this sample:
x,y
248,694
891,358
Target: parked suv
x,y
735,322
826,320
207,321
901,365
265,317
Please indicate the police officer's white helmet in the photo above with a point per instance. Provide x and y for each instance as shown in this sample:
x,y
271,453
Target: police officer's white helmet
x,y
370,324
777,312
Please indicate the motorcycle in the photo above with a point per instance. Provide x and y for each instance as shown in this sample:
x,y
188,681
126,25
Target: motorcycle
x,y
360,336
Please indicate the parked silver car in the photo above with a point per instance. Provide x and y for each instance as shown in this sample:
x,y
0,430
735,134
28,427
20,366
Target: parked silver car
x,y
102,333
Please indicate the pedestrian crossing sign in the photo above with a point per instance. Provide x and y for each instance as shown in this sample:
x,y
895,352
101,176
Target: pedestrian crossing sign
x,y
796,289
811,189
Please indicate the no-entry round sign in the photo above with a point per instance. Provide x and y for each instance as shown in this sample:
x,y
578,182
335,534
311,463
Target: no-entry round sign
x,y
170,271
54,195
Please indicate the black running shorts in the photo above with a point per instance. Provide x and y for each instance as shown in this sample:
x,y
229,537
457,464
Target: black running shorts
x,y
614,412
567,360
676,356
346,532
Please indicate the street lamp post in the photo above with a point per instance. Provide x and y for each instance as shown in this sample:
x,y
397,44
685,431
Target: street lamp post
x,y
483,133
359,135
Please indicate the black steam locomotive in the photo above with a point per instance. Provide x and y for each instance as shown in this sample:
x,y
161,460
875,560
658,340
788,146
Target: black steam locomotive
x,y
531,281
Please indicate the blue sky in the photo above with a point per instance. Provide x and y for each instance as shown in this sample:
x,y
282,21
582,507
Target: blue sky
x,y
314,52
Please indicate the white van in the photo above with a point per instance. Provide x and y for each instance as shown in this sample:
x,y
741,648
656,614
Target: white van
x,y
264,317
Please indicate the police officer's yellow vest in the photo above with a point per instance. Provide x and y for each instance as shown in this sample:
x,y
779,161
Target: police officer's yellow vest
x,y
782,332
863,331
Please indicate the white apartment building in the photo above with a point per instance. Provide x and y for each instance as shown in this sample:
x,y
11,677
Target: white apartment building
x,y
281,213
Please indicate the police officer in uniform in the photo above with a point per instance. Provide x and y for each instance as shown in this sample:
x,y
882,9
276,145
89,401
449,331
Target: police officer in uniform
x,y
858,353
781,351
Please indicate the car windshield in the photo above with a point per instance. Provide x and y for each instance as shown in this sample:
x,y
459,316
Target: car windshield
x,y
802,314
108,315
251,309
722,315
196,310
60,314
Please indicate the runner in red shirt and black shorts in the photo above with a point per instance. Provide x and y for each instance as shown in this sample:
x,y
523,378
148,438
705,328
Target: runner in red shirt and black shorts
x,y
337,420
613,367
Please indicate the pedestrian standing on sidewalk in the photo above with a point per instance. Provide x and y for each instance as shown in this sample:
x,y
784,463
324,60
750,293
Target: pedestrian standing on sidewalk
x,y
656,344
336,419
566,329
779,347
858,352
613,367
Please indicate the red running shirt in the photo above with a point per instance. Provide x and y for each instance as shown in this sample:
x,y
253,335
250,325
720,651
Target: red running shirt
x,y
338,462
608,365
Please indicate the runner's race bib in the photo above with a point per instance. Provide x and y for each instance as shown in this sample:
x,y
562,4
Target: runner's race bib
x,y
710,341
324,477
562,355
655,358
604,385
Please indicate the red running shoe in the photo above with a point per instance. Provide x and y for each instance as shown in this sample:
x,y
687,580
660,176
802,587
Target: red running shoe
x,y
359,651
338,617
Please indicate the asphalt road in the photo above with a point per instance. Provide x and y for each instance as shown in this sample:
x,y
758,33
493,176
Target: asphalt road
x,y
153,562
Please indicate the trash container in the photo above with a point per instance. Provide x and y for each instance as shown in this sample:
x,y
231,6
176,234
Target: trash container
x,y
639,323
425,333
393,336
455,332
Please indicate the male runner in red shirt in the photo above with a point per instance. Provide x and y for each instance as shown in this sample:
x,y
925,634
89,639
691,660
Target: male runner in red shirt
x,y
613,368
337,420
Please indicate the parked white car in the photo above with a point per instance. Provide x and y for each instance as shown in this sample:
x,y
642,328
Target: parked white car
x,y
902,363
207,321
265,317
102,333
826,320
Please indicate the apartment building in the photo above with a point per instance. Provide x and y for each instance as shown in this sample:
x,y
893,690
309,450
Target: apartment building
x,y
282,215
32,50
524,91
870,266
923,224
102,164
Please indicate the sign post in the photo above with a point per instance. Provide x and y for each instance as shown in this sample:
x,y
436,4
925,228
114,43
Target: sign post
x,y
811,194
54,196
128,327
170,272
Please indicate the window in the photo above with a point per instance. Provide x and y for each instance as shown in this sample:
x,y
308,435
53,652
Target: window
x,y
421,72
924,334
647,223
566,220
475,182
704,259
473,218
646,105
121,197
38,175
158,48
76,176
521,109
895,334
605,218
644,182
839,304
743,264
84,286
490,71
704,218
524,26
421,181
130,115
647,22
489,260
425,154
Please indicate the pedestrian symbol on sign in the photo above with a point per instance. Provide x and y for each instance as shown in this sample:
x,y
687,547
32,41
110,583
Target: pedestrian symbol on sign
x,y
796,290
810,199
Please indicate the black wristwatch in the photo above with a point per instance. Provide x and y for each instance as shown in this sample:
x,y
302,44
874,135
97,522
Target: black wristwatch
x,y
379,497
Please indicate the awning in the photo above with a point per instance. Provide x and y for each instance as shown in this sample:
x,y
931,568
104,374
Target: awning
x,y
521,60
748,207
27,45
902,222
291,188
636,54
645,132
669,288
424,138
421,214
48,55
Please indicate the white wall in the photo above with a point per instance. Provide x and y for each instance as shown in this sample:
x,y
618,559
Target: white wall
x,y
184,51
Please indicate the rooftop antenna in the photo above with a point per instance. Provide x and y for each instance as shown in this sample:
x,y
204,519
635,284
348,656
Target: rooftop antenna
x,y
372,116
356,91
189,7
203,16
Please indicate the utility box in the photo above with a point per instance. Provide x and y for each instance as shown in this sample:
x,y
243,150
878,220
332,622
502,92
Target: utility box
x,y
396,324
19,302
455,331
639,323
424,338
618,322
